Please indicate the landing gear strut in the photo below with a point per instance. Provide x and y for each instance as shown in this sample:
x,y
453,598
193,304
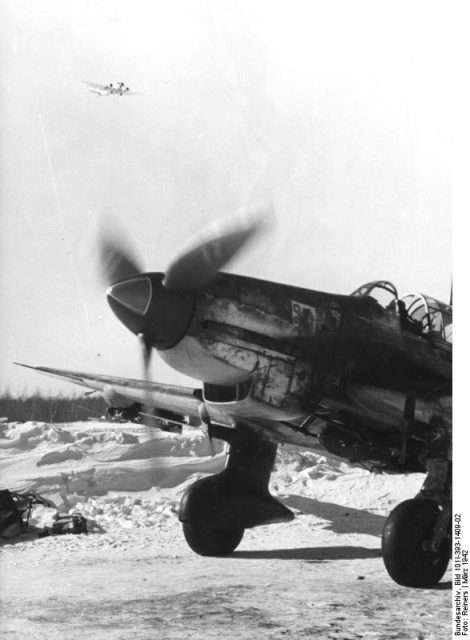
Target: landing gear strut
x,y
416,540
216,510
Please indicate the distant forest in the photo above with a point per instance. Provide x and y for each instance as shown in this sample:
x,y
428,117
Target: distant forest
x,y
51,408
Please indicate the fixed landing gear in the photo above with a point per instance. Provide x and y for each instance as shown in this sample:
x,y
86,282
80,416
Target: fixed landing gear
x,y
215,511
416,539
407,550
208,541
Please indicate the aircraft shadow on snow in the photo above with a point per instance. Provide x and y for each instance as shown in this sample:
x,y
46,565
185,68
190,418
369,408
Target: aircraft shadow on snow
x,y
311,554
340,519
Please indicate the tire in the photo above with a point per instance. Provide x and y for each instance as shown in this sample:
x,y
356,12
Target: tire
x,y
207,541
407,530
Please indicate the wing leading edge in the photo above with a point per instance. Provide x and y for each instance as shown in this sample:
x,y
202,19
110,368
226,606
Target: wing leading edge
x,y
185,402
182,400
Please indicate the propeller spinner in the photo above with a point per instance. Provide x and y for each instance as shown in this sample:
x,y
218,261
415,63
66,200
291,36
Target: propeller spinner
x,y
146,307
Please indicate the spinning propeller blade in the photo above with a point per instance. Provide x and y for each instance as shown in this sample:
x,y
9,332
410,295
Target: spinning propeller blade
x,y
201,259
146,350
116,261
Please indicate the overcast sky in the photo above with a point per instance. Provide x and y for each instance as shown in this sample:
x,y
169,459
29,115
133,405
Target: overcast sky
x,y
338,112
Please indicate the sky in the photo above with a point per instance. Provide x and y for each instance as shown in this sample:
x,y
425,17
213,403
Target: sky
x,y
339,113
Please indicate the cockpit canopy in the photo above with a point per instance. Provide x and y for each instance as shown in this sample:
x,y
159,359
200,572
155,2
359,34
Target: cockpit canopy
x,y
433,318
436,317
381,290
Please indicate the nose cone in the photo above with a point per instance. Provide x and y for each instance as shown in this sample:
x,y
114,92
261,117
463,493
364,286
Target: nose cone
x,y
143,305
135,294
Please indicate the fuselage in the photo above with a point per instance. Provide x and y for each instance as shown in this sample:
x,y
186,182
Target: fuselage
x,y
277,351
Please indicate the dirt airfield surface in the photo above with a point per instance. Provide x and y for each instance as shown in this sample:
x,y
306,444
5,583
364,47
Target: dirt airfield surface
x,y
133,576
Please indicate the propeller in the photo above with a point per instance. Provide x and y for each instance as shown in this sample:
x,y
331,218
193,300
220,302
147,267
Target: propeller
x,y
200,259
116,260
148,416
158,307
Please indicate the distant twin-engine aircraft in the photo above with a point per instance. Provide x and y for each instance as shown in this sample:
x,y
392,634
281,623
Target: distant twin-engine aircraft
x,y
359,377
118,89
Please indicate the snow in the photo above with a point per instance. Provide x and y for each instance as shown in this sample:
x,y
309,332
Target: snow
x,y
127,480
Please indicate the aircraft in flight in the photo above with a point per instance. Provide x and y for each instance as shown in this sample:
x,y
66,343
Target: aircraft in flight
x,y
118,89
365,377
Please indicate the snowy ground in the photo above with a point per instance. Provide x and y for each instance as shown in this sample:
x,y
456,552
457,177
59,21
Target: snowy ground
x,y
134,576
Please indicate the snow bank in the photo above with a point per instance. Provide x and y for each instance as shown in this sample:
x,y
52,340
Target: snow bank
x,y
129,476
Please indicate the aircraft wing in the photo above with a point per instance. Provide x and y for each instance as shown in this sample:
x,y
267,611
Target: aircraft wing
x,y
177,404
95,85
172,398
